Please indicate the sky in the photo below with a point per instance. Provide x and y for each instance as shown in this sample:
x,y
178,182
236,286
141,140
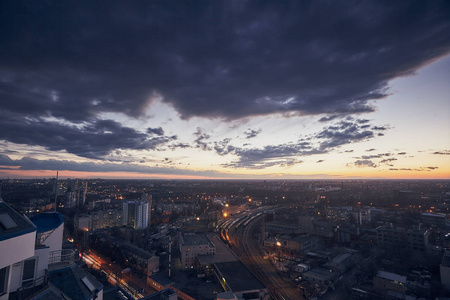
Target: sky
x,y
225,89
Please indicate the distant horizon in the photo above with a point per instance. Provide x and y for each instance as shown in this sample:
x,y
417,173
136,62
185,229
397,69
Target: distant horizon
x,y
62,177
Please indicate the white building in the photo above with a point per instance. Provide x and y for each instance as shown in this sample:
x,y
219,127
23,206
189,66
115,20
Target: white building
x,y
32,260
136,214
17,254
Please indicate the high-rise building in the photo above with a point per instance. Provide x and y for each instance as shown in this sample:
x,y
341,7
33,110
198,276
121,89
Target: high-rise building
x,y
135,214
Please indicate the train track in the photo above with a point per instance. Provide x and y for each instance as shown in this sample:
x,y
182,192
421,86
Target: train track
x,y
263,269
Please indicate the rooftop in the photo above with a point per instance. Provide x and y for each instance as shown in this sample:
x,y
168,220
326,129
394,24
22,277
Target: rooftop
x,y
164,294
198,238
75,283
12,223
223,254
439,215
238,277
391,276
162,280
136,250
321,273
47,221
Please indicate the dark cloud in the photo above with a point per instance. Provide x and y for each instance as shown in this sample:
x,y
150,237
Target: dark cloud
x,y
251,133
427,169
365,163
331,137
445,152
388,161
157,131
73,60
401,153
371,149
344,132
375,156
27,163
320,160
94,139
380,128
174,146
284,154
328,118
200,141
223,147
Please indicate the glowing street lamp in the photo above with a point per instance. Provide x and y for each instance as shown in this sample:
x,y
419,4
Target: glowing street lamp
x,y
279,254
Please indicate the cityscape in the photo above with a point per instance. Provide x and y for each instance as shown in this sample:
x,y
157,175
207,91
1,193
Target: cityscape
x,y
224,150
169,239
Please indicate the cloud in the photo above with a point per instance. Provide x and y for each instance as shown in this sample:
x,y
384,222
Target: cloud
x,y
388,161
27,163
157,131
251,133
428,169
331,137
201,138
328,118
93,139
444,152
320,160
370,150
380,128
365,163
375,156
219,59
344,132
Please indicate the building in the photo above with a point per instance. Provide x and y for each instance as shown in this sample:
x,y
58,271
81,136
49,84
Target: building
x,y
161,283
193,244
391,237
283,228
17,240
320,276
136,214
235,277
302,243
32,261
167,294
387,281
98,220
445,271
144,260
439,220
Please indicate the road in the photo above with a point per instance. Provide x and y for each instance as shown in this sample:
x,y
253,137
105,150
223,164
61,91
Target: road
x,y
115,276
248,248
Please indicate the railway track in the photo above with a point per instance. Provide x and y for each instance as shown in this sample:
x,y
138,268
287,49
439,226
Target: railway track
x,y
263,269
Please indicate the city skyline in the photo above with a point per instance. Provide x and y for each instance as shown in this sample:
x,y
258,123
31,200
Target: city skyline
x,y
225,90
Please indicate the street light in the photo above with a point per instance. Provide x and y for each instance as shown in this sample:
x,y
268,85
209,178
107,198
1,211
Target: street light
x,y
279,254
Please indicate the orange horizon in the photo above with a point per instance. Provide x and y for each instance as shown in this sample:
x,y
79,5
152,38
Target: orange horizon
x,y
29,174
